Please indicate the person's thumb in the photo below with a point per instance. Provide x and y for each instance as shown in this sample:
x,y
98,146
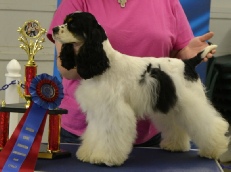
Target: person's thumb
x,y
206,36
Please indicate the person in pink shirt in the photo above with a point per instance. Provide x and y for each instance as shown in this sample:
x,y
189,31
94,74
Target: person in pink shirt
x,y
156,28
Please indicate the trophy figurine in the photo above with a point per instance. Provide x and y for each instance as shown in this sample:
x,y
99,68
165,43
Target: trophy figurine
x,y
31,41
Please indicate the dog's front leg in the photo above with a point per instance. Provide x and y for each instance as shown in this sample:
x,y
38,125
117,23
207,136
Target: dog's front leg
x,y
109,136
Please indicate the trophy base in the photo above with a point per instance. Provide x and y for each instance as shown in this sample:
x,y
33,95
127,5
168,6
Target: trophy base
x,y
44,154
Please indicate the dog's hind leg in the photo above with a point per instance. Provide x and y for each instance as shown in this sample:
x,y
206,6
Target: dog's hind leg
x,y
174,138
109,136
204,125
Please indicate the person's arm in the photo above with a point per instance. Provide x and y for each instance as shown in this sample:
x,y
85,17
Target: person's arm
x,y
186,45
68,74
196,45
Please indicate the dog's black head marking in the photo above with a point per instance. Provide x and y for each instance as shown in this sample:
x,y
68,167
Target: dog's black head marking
x,y
91,59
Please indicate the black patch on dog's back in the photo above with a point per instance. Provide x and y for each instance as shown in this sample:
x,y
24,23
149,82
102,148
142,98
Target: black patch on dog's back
x,y
166,90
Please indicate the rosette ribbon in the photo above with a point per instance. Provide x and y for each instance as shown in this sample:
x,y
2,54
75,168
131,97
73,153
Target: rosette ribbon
x,y
21,151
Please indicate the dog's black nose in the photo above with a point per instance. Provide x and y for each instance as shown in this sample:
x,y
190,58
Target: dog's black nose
x,y
55,29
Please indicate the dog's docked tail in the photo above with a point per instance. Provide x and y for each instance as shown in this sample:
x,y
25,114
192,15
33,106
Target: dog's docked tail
x,y
200,56
190,64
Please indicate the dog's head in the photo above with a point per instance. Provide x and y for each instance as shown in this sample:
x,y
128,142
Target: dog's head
x,y
82,28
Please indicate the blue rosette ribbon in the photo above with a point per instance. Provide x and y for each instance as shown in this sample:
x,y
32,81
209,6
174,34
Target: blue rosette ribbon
x,y
21,150
46,91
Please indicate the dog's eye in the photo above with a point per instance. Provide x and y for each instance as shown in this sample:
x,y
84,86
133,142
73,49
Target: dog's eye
x,y
71,25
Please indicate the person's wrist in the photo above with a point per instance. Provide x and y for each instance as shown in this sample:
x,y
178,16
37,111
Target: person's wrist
x,y
184,53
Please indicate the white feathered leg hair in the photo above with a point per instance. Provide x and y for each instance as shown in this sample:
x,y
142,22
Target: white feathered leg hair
x,y
203,124
111,132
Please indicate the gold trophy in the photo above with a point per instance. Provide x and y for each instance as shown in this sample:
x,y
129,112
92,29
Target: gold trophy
x,y
31,39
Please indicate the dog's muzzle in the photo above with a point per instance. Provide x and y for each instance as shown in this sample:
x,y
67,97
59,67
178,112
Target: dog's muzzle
x,y
55,30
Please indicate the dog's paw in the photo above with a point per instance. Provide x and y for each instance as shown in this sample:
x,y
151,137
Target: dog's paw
x,y
100,159
208,154
175,146
214,153
83,154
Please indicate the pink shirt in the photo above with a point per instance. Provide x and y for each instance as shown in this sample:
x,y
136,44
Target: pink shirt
x,y
142,28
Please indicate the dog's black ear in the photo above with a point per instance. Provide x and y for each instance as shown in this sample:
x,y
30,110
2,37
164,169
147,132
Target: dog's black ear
x,y
91,59
67,56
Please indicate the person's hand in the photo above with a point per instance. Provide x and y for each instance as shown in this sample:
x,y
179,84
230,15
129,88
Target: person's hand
x,y
196,45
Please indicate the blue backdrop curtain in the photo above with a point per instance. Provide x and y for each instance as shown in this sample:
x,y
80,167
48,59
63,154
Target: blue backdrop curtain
x,y
55,69
198,14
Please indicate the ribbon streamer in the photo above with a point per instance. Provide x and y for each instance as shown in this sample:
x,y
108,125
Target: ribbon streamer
x,y
21,151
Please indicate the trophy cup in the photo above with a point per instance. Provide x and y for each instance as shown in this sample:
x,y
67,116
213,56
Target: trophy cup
x,y
31,39
43,94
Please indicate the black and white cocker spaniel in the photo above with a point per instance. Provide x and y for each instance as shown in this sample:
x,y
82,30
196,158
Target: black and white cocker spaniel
x,y
117,89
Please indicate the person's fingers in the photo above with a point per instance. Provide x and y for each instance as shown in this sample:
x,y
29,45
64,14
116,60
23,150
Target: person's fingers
x,y
209,55
206,36
205,59
214,51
